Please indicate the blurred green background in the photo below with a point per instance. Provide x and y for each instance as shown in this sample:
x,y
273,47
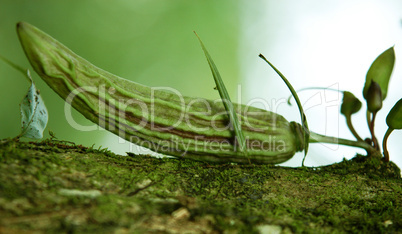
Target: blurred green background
x,y
313,42
150,42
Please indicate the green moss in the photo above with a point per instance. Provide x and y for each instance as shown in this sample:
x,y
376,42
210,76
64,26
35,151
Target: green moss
x,y
52,186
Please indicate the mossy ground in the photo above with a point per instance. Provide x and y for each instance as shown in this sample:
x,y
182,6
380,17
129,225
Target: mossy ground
x,y
56,187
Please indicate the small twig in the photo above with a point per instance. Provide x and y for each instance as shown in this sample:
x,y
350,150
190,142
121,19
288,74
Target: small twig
x,y
143,188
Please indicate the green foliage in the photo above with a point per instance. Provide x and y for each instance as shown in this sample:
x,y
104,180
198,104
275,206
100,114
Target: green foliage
x,y
350,104
374,91
380,71
374,97
394,121
394,117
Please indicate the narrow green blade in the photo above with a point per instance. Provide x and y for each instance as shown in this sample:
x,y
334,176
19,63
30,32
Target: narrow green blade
x,y
306,131
226,99
15,66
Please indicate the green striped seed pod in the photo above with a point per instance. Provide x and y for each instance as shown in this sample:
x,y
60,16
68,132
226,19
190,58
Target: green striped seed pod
x,y
159,119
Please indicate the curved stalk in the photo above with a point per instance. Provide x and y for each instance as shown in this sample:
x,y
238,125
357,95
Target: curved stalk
x,y
351,128
306,130
384,144
368,118
318,138
312,88
375,141
16,67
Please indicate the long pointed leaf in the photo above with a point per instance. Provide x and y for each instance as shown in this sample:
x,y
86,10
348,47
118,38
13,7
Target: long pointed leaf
x,y
306,132
225,98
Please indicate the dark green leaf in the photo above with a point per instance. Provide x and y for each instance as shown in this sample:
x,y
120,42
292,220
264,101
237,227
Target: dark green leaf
x,y
380,71
350,104
374,97
394,117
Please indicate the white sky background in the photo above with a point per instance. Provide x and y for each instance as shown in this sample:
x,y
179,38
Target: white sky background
x,y
327,44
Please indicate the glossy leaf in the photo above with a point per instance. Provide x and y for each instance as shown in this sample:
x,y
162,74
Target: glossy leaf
x,y
380,71
350,104
34,114
394,117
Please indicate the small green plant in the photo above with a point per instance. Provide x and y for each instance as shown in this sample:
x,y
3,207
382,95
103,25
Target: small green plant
x,y
374,92
34,115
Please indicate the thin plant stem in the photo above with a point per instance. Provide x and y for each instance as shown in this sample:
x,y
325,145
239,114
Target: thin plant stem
x,y
384,144
306,131
368,117
318,138
351,128
16,67
375,141
312,88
